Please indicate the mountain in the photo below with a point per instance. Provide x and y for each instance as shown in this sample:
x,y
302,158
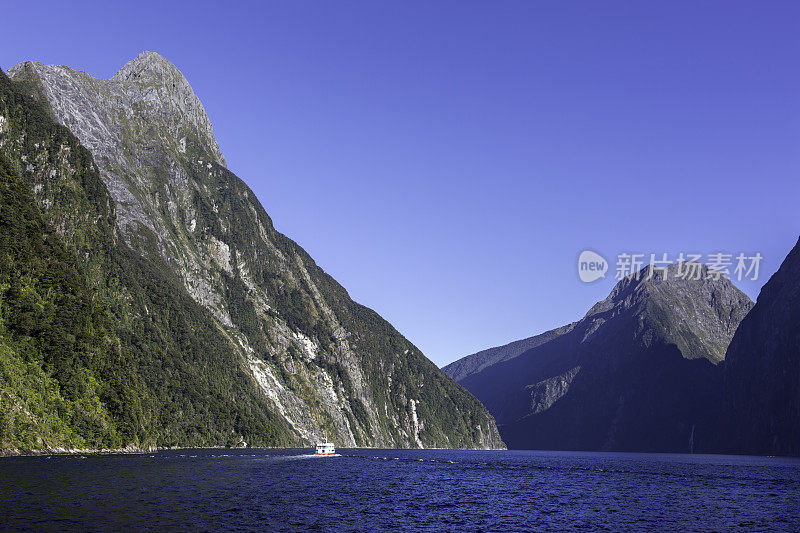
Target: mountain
x,y
474,363
762,373
100,347
640,372
314,363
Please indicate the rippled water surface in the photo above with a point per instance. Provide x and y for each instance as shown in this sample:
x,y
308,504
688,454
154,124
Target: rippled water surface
x,y
369,490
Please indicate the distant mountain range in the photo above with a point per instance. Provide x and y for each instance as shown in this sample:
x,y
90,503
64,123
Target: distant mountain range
x,y
147,299
661,365
640,372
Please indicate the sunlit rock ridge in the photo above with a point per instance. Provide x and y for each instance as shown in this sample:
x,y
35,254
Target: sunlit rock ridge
x,y
327,366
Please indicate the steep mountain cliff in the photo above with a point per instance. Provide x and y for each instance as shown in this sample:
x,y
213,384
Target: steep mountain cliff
x,y
762,373
638,372
323,363
101,347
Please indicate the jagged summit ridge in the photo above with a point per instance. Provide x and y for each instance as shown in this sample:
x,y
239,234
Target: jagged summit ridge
x,y
148,101
167,90
146,64
687,304
675,274
149,88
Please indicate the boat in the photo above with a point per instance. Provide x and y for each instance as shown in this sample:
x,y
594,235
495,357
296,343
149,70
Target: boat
x,y
325,448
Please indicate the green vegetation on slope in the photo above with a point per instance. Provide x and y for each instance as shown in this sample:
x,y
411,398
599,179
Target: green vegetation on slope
x,y
101,347
63,376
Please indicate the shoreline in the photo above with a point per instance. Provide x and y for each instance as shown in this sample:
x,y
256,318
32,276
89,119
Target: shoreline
x,y
128,450
136,450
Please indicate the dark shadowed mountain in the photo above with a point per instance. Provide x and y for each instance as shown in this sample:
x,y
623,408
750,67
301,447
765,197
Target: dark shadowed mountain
x,y
640,372
472,364
762,373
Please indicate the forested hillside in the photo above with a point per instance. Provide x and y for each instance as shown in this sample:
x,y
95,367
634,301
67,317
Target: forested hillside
x,y
121,355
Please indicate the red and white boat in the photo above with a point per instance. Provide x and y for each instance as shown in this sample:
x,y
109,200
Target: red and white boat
x,y
325,448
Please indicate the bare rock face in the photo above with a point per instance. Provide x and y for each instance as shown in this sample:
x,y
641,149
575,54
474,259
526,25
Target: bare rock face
x,y
762,374
331,367
640,372
168,101
147,103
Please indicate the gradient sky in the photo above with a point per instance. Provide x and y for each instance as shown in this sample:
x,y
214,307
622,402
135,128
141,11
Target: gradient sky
x,y
448,161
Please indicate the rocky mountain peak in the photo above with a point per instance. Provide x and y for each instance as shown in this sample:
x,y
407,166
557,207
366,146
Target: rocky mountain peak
x,y
687,304
147,103
168,97
674,276
148,97
148,65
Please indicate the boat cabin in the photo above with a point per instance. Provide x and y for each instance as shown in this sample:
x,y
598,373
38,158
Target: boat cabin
x,y
325,448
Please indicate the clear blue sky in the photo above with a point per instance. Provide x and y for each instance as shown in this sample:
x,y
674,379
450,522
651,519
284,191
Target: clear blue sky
x,y
448,161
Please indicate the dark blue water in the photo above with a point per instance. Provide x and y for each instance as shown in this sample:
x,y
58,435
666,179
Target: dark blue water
x,y
369,490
